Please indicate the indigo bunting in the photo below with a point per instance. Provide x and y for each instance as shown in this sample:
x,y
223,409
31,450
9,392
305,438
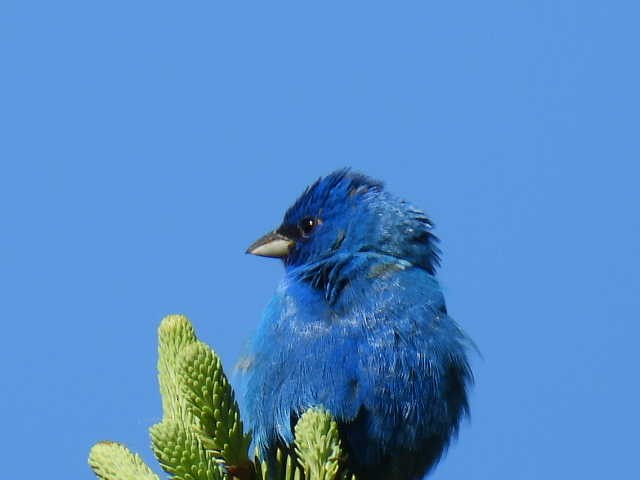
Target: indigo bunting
x,y
358,326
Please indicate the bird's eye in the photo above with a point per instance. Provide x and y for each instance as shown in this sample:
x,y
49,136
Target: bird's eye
x,y
306,226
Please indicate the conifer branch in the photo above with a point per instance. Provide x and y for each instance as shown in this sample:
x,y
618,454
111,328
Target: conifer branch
x,y
111,460
318,444
210,399
201,434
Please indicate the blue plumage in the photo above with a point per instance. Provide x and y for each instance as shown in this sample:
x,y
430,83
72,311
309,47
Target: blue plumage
x,y
359,326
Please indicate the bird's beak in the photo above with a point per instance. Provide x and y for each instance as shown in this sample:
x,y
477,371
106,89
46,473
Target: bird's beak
x,y
273,244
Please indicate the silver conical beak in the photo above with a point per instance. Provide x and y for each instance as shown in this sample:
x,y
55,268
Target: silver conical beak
x,y
273,244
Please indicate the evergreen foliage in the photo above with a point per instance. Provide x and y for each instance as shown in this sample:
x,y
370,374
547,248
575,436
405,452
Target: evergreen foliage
x,y
111,460
201,434
318,445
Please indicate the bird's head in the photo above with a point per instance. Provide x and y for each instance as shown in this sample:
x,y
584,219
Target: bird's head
x,y
348,213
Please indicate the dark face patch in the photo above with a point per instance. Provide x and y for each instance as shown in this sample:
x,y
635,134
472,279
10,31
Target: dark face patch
x,y
338,241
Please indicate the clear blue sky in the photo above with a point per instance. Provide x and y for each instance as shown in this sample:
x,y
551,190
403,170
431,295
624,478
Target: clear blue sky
x,y
145,144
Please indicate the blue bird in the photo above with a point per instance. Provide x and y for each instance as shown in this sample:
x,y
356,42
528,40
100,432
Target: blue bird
x,y
359,326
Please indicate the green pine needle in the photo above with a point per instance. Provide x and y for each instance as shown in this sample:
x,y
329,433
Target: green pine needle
x,y
114,461
211,400
286,467
174,334
318,445
180,453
